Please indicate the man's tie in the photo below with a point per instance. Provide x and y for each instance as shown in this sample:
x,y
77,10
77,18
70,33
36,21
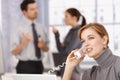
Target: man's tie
x,y
35,38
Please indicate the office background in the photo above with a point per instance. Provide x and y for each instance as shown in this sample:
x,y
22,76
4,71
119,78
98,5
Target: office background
x,y
52,13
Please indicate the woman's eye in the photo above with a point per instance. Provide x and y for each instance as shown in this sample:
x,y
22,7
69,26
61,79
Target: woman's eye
x,y
91,38
82,41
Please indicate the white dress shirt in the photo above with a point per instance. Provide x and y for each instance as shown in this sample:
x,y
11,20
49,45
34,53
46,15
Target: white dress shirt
x,y
28,52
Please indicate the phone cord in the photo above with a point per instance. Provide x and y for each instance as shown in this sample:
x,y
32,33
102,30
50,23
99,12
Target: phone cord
x,y
56,68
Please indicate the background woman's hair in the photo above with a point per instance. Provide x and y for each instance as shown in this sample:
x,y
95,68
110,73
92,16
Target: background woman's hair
x,y
76,13
99,28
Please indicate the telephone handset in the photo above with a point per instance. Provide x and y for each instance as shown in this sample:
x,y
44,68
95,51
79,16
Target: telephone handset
x,y
78,54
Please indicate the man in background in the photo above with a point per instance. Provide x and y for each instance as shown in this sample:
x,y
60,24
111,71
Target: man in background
x,y
29,40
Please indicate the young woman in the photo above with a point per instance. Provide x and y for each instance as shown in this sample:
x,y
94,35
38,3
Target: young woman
x,y
71,41
72,16
95,44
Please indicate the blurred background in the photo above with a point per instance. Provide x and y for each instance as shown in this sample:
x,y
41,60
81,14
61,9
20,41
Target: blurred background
x,y
51,12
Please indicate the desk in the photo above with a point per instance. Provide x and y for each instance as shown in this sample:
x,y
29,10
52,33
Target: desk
x,y
29,77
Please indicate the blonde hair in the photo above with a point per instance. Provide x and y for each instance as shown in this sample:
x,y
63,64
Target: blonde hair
x,y
100,29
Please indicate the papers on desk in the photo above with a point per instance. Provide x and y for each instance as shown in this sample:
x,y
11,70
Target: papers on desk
x,y
29,77
7,77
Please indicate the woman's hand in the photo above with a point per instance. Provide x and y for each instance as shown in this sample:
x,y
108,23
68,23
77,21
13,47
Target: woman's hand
x,y
72,61
54,30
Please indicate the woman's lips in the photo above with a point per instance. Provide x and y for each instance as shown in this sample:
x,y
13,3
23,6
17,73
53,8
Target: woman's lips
x,y
88,50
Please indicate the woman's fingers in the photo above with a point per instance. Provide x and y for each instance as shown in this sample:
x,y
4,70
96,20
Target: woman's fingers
x,y
78,60
72,58
72,53
54,30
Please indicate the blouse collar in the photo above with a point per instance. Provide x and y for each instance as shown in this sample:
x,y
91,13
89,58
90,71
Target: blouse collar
x,y
106,58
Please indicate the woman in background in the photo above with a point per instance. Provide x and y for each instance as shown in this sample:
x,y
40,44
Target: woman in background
x,y
71,41
95,41
72,17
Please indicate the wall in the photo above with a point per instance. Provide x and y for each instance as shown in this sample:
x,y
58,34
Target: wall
x,y
1,55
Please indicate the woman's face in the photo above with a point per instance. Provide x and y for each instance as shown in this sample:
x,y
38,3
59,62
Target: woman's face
x,y
93,44
68,18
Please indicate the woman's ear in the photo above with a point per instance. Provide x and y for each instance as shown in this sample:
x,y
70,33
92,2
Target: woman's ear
x,y
74,18
105,40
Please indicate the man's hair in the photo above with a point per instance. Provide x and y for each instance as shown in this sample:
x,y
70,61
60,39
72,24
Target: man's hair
x,y
25,4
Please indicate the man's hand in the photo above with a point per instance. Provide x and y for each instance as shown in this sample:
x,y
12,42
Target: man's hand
x,y
26,38
42,45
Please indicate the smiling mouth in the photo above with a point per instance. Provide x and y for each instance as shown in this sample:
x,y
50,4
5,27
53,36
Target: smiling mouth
x,y
88,50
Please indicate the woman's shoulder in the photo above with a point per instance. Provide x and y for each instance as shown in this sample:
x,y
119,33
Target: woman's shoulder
x,y
118,60
117,64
